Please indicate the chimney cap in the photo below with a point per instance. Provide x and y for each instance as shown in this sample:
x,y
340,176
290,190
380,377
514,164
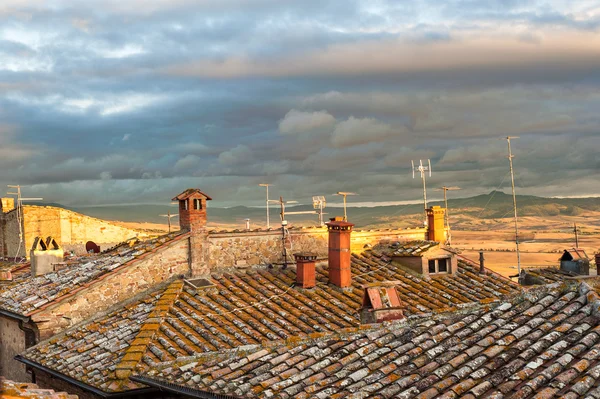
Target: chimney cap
x,y
337,221
305,256
190,192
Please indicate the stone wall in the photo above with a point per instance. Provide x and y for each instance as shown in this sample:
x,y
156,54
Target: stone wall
x,y
71,229
46,381
12,343
263,247
115,287
10,236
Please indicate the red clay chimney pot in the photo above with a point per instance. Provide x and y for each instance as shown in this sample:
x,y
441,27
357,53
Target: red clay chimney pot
x,y
305,269
340,272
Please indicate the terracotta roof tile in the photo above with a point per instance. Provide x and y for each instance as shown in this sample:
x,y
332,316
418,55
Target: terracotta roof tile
x,y
11,389
246,309
26,293
534,363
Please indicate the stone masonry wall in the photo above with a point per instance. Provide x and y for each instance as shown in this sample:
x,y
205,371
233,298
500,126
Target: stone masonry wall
x,y
12,342
10,236
71,229
263,247
105,292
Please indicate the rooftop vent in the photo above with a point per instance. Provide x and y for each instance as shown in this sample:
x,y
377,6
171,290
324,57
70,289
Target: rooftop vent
x,y
381,303
575,261
200,285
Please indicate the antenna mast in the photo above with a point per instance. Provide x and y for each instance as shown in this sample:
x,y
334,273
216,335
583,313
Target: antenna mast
x,y
576,231
345,194
284,231
446,217
169,216
422,169
512,180
319,204
267,186
20,200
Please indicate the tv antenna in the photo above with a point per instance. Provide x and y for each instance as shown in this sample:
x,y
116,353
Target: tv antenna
x,y
20,200
576,231
422,169
169,215
512,180
319,204
285,234
446,217
345,194
267,187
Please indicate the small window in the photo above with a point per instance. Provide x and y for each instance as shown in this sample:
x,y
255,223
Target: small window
x,y
185,204
197,203
442,266
431,265
438,266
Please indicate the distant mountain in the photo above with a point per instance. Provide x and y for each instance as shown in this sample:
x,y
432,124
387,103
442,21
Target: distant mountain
x,y
488,206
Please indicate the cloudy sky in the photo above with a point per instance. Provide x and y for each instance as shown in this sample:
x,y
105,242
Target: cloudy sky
x,y
131,101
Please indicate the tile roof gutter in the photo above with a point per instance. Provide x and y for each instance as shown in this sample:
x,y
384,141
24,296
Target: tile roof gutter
x,y
84,386
178,389
14,315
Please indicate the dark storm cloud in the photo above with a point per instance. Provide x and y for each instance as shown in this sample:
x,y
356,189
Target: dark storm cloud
x,y
112,101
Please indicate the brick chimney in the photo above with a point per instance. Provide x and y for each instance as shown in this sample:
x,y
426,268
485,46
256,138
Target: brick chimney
x,y
305,269
340,273
435,224
192,209
192,218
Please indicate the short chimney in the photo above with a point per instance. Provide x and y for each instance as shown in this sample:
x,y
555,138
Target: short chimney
x,y
305,269
481,263
45,255
435,224
7,204
340,273
192,209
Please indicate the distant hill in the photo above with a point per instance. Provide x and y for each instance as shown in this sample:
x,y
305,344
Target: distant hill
x,y
495,205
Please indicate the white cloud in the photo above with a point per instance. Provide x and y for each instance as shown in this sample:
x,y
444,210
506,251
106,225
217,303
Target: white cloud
x,y
235,156
356,131
300,122
188,162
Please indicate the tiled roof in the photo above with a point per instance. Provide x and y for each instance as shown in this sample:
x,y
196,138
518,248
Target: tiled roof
x,y
412,248
549,275
91,352
26,293
249,308
545,344
10,389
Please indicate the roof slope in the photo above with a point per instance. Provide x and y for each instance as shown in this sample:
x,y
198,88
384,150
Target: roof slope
x,y
544,345
248,308
549,275
267,307
11,389
26,293
90,352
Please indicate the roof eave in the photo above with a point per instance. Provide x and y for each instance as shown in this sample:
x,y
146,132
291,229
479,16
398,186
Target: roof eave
x,y
83,385
14,315
178,389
